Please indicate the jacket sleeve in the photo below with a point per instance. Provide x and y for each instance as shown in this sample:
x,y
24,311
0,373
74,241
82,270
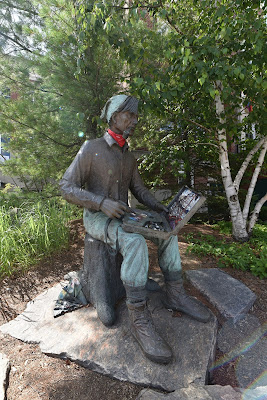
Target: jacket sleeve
x,y
73,181
140,192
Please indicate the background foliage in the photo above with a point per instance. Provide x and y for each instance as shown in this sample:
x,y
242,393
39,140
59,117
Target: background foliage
x,y
60,62
56,104
243,256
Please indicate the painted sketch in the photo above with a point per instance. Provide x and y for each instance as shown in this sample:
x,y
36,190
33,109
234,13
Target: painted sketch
x,y
181,206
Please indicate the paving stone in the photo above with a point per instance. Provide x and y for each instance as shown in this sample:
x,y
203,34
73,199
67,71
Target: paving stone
x,y
245,341
193,392
246,329
4,371
81,337
231,297
252,364
259,393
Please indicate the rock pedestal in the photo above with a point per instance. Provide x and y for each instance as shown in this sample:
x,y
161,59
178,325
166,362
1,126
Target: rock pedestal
x,y
80,336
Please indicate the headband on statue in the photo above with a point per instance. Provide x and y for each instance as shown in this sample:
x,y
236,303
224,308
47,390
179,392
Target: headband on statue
x,y
119,103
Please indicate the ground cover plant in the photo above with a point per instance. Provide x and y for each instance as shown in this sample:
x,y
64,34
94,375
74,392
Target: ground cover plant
x,y
33,228
250,256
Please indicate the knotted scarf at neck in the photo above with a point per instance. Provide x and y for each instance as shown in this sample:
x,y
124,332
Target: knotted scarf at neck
x,y
119,139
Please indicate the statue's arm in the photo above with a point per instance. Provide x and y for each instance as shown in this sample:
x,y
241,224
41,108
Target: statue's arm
x,y
142,194
72,183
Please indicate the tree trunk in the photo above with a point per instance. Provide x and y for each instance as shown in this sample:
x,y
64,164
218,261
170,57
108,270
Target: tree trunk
x,y
238,224
254,180
255,214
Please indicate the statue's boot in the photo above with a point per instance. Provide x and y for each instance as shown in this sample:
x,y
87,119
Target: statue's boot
x,y
177,299
144,331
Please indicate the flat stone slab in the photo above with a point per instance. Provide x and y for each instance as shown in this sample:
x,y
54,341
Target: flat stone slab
x,y
81,337
4,371
259,393
231,297
211,392
193,392
246,342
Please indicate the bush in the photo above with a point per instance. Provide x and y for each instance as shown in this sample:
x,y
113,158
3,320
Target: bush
x,y
250,256
30,230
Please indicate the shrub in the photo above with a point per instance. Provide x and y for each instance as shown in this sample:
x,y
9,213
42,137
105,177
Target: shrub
x,y
250,256
31,230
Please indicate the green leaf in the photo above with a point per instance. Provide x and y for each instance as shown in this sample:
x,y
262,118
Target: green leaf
x,y
223,33
163,13
169,54
185,60
201,80
212,92
237,71
139,81
80,116
257,24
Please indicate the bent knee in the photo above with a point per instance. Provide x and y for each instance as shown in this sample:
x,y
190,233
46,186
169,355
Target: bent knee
x,y
135,241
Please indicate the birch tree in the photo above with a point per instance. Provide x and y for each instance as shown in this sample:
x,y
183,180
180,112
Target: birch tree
x,y
242,226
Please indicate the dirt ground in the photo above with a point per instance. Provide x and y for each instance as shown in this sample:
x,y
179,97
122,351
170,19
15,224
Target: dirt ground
x,y
35,376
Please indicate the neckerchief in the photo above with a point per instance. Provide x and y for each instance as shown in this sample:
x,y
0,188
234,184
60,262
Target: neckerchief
x,y
119,139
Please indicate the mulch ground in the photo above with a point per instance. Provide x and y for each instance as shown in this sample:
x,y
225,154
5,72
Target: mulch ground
x,y
35,376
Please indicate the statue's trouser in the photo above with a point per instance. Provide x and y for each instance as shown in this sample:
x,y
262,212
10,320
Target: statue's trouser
x,y
133,247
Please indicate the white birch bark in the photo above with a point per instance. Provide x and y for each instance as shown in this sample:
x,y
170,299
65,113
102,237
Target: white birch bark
x,y
238,225
242,115
255,213
246,162
254,180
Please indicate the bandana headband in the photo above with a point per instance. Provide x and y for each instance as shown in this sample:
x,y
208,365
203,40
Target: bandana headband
x,y
119,103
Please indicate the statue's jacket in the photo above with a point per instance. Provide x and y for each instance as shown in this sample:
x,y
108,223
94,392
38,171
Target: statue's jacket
x,y
102,169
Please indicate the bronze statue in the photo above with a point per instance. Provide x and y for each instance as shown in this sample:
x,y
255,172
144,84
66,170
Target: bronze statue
x,y
99,179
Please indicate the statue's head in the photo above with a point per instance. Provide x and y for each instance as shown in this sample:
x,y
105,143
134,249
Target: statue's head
x,y
121,113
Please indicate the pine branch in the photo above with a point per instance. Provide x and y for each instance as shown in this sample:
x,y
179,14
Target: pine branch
x,y
23,83
40,132
16,42
16,7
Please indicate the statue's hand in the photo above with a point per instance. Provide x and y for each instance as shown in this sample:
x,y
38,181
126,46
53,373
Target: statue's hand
x,y
160,207
112,208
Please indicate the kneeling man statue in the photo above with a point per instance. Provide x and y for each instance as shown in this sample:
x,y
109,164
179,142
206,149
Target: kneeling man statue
x,y
99,179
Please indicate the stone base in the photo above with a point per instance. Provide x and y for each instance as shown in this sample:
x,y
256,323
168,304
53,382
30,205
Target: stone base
x,y
81,337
